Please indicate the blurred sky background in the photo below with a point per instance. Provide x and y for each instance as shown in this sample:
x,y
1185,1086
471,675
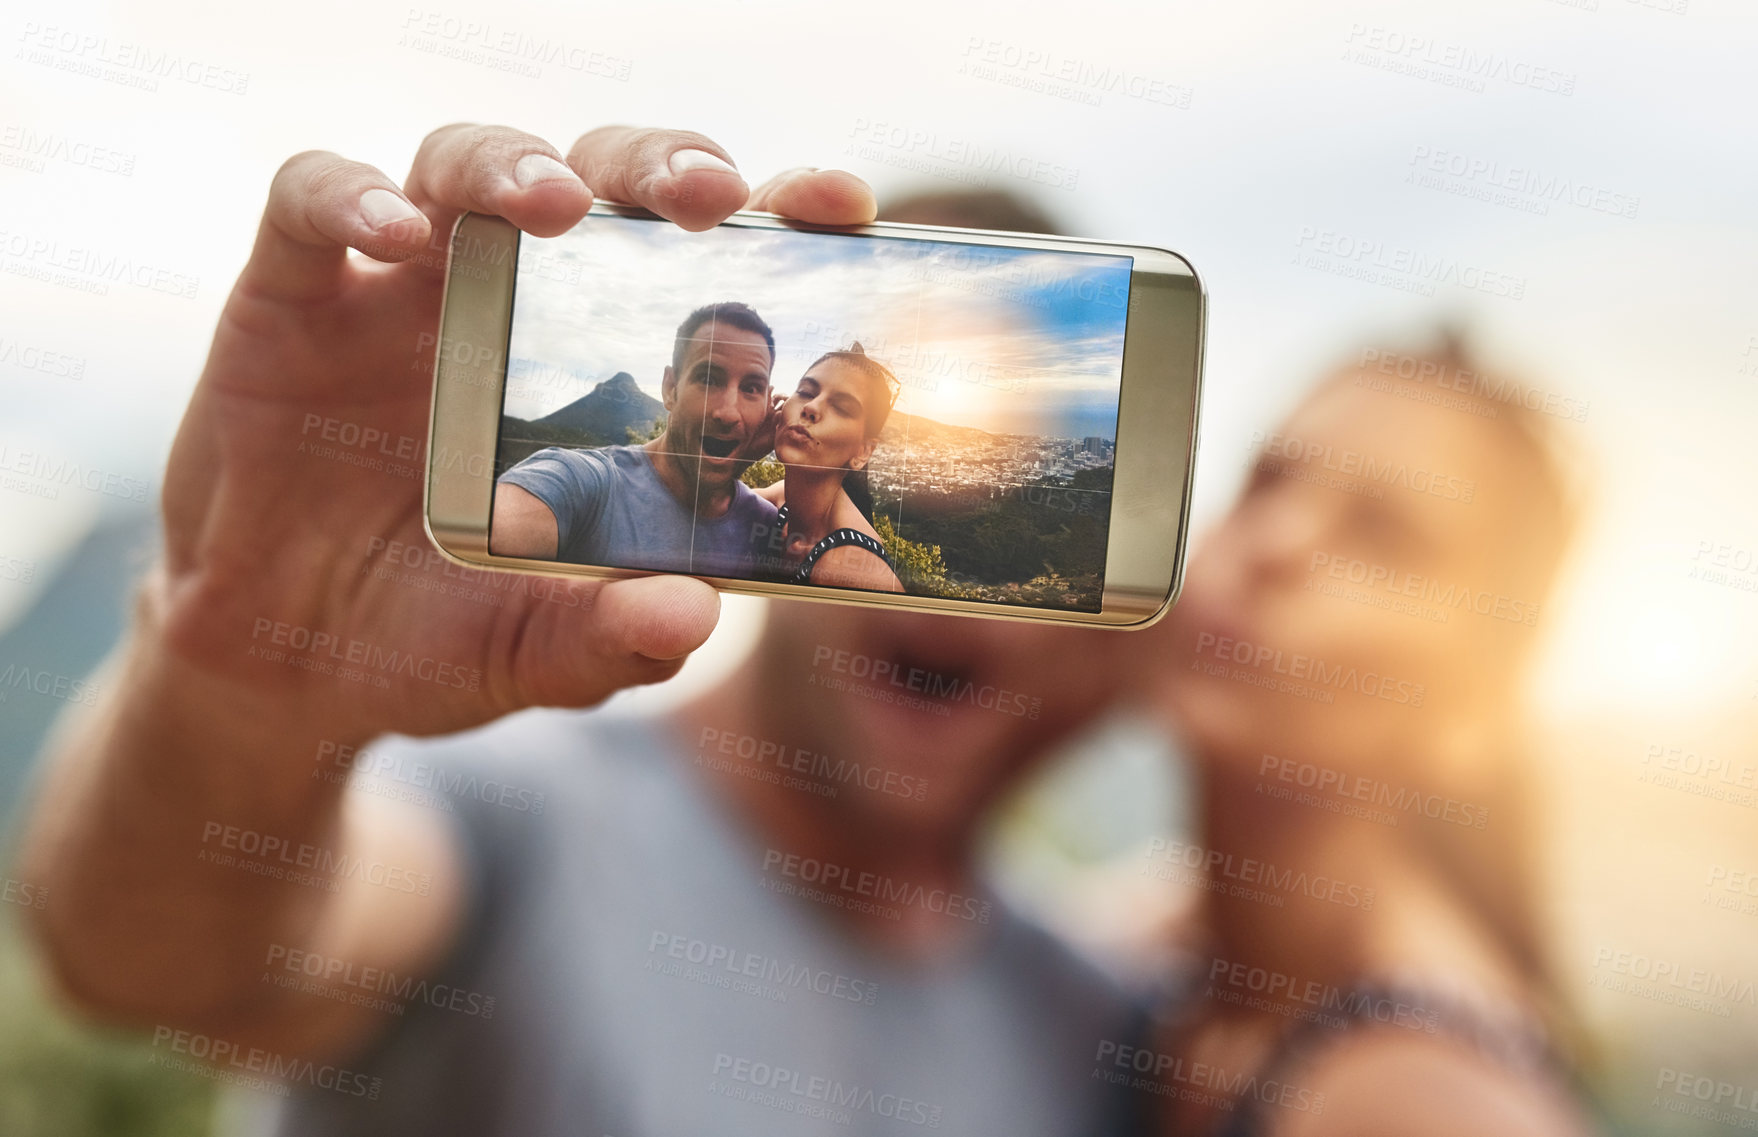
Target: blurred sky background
x,y
1284,148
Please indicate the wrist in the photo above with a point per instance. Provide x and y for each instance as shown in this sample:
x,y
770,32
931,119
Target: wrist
x,y
213,729
265,655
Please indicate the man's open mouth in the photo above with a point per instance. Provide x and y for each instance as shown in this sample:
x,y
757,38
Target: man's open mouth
x,y
719,447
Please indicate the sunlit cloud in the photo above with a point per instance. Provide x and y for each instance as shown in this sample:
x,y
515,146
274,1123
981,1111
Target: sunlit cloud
x,y
1007,340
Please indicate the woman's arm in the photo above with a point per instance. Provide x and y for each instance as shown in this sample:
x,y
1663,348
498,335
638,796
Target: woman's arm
x,y
850,566
1394,1083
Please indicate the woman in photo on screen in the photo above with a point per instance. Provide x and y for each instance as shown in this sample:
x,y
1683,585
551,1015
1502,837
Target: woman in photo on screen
x,y
825,435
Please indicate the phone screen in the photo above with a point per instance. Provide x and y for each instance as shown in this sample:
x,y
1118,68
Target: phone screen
x,y
844,411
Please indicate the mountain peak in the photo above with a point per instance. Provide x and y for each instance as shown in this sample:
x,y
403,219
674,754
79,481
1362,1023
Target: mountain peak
x,y
605,415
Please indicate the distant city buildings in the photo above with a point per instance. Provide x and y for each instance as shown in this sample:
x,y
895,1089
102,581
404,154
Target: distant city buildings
x,y
937,464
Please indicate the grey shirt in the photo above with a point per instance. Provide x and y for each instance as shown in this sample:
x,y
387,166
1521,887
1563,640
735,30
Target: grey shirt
x,y
649,970
611,509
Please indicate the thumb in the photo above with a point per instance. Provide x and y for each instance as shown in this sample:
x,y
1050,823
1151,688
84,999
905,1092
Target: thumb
x,y
658,617
621,634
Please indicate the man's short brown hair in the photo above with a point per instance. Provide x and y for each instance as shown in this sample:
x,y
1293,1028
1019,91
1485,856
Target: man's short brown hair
x,y
730,312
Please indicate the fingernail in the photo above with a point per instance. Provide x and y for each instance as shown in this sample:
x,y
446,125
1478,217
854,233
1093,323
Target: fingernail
x,y
381,207
534,168
683,161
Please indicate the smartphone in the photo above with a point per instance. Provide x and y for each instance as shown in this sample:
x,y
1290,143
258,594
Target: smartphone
x,y
950,420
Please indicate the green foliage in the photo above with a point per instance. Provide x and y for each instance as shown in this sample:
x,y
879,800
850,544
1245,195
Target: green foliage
x,y
636,438
1096,479
62,1079
763,472
920,567
1043,536
1042,545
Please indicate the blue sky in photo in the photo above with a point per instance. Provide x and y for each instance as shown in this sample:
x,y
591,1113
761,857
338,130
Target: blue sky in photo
x,y
1017,341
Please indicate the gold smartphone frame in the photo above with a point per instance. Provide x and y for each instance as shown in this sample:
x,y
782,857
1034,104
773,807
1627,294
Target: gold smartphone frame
x,y
1155,451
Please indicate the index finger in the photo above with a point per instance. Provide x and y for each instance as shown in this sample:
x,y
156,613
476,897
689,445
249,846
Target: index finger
x,y
822,197
496,170
320,205
683,176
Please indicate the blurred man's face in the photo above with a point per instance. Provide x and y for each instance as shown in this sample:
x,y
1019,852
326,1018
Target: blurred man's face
x,y
716,403
962,706
1321,571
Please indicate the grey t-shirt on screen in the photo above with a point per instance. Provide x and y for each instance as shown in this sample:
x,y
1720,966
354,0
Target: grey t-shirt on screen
x,y
645,976
612,509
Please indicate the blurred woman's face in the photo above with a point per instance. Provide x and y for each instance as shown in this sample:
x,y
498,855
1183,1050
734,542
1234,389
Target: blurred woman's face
x,y
824,422
1355,605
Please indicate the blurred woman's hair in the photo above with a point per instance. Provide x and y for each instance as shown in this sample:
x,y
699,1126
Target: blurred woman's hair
x,y
1499,877
1465,383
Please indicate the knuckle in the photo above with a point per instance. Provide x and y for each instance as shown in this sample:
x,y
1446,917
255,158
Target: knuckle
x,y
670,140
645,139
440,135
503,140
325,180
652,147
600,136
488,153
297,168
304,157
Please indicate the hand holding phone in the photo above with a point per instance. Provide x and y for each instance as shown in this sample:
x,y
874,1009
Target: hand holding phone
x,y
299,611
292,499
1014,438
